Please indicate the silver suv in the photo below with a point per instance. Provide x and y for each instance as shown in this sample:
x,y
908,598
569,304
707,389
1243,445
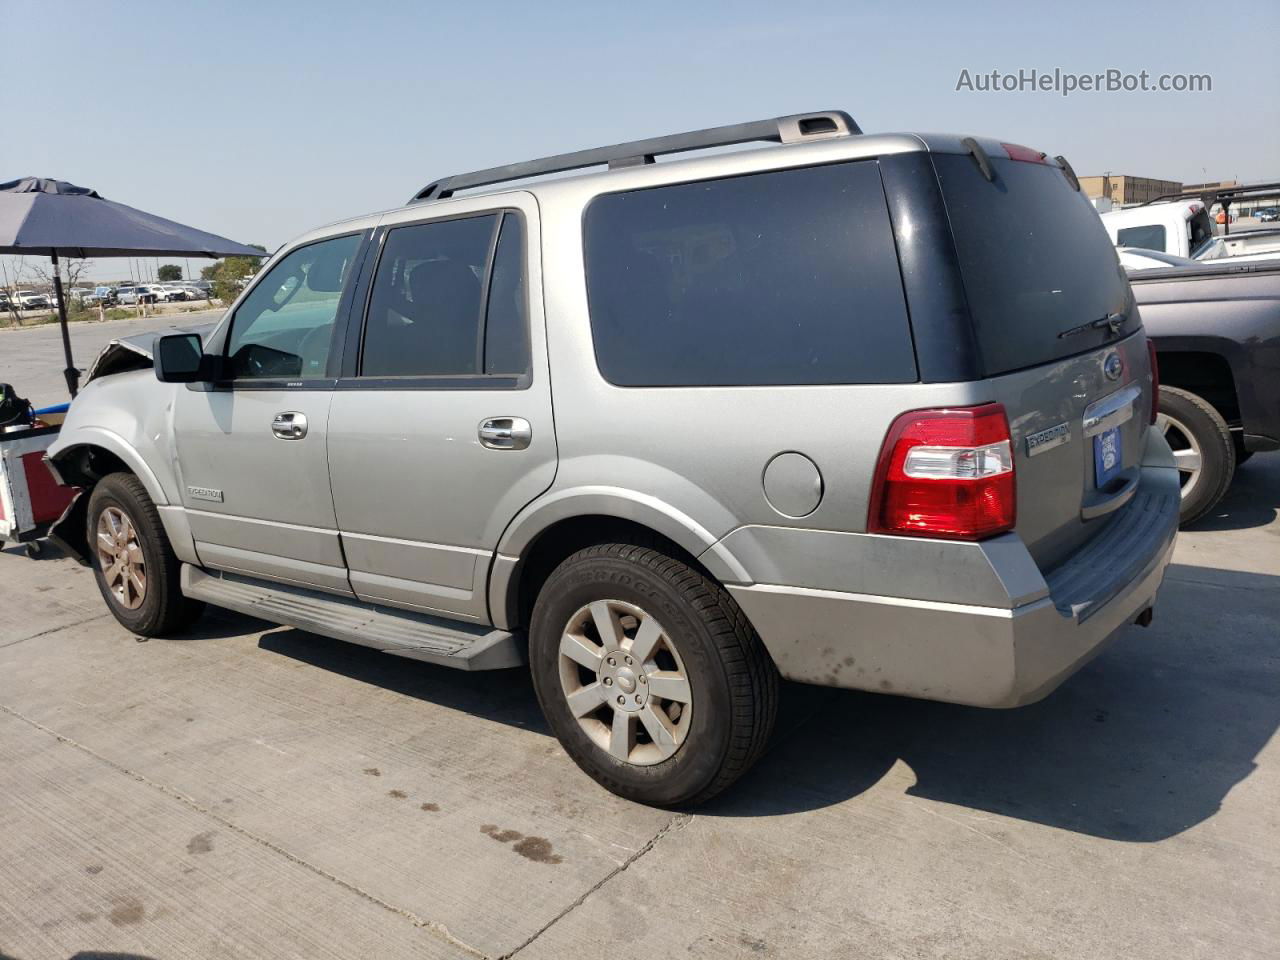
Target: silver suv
x,y
868,411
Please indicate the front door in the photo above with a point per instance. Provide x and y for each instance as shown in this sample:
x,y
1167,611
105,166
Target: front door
x,y
251,449
442,432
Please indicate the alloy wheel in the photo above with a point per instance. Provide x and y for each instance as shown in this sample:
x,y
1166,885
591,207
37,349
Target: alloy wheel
x,y
120,556
624,681
1187,455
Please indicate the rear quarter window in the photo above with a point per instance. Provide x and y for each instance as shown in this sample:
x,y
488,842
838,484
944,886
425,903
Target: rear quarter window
x,y
788,277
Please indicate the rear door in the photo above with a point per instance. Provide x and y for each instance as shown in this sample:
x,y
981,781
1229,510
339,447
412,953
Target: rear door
x,y
1060,341
441,427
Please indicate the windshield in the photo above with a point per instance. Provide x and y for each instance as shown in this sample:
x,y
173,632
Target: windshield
x,y
1037,264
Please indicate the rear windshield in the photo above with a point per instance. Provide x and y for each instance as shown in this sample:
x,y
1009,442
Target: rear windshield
x,y
1201,231
1037,263
1149,236
789,277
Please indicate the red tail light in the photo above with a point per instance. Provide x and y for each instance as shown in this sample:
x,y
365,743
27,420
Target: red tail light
x,y
1155,380
945,473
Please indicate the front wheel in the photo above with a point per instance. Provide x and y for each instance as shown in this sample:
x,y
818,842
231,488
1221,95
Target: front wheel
x,y
1203,450
650,675
133,563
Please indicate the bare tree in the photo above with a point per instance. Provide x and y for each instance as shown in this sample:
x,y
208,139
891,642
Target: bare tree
x,y
12,289
72,271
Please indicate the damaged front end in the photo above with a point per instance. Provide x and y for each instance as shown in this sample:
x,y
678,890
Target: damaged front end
x,y
136,352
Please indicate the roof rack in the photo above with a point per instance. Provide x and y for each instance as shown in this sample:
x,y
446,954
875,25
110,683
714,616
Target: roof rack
x,y
1226,196
798,128
1240,191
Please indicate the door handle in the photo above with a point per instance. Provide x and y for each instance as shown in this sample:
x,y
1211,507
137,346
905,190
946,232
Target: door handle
x,y
505,433
290,425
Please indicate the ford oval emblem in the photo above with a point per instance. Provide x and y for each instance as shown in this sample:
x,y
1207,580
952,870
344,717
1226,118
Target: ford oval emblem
x,y
1113,366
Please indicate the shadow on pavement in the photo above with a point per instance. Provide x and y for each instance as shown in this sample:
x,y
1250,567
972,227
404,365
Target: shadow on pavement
x,y
1144,743
1253,499
504,696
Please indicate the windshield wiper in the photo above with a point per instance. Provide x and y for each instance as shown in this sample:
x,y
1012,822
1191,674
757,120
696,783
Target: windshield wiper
x,y
1112,322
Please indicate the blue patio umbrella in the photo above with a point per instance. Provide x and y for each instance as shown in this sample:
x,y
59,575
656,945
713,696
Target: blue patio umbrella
x,y
55,219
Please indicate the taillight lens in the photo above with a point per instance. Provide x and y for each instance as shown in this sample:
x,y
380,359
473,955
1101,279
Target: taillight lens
x,y
945,473
1155,380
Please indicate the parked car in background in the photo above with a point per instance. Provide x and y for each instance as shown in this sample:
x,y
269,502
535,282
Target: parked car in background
x,y
138,293
863,411
1180,227
175,291
1268,214
1216,327
197,292
105,295
30,300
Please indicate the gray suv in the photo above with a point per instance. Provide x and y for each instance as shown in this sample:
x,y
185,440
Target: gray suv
x,y
867,411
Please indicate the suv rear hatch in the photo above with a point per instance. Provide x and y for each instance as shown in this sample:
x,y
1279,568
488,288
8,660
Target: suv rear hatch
x,y
1059,340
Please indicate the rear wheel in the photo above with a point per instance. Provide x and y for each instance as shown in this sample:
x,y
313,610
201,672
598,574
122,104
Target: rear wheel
x,y
1241,453
1203,450
133,563
649,675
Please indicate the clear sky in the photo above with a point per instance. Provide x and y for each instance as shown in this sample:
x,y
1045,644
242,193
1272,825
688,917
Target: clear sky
x,y
261,120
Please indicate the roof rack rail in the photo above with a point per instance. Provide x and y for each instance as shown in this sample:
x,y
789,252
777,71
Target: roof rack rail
x,y
1226,196
797,128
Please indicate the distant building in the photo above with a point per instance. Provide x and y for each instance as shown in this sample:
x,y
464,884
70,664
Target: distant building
x,y
1210,185
1121,189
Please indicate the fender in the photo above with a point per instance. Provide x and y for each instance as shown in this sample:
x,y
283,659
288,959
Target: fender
x,y
608,501
95,436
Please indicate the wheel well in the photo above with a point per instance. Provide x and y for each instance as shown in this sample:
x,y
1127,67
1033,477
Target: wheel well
x,y
82,467
1207,375
567,537
85,466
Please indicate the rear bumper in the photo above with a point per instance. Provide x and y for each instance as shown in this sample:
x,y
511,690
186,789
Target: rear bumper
x,y
999,653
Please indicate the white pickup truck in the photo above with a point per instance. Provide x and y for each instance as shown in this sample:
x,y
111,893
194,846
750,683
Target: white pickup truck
x,y
1183,228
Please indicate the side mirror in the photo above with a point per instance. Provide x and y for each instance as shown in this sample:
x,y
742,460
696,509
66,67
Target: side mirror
x,y
179,358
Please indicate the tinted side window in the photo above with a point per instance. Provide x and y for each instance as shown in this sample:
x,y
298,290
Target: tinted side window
x,y
284,328
1147,237
506,343
424,311
777,278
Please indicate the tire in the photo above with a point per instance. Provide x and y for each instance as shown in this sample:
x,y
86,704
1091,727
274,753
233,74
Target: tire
x,y
1242,455
120,507
1194,427
698,636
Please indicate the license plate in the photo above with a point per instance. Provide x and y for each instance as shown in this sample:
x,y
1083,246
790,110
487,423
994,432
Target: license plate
x,y
1106,456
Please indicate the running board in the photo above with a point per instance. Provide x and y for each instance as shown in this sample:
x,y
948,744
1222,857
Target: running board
x,y
404,633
